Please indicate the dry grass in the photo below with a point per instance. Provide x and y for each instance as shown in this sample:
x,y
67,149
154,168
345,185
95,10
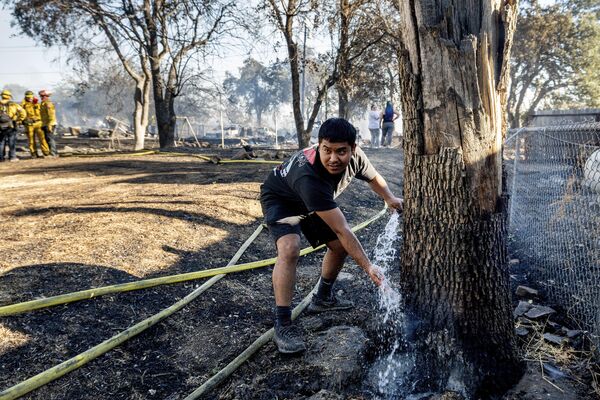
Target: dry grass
x,y
10,339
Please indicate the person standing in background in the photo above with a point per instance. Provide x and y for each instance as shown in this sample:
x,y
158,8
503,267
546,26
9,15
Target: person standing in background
x,y
387,127
33,125
11,114
48,114
375,125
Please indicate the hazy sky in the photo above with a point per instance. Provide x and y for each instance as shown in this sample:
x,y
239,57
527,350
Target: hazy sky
x,y
24,63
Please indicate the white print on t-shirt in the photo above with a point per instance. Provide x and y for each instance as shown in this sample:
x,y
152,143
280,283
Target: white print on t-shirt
x,y
299,157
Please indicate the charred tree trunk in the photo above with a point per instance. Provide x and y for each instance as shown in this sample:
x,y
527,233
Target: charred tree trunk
x,y
164,110
453,77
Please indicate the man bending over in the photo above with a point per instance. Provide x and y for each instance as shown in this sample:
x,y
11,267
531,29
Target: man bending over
x,y
298,196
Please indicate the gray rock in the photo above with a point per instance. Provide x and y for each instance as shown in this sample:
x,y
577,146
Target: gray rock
x,y
325,395
345,276
553,327
514,261
573,333
556,339
522,331
338,356
522,308
525,291
539,311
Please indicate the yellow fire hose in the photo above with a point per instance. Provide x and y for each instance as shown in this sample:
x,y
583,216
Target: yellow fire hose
x,y
79,360
147,283
113,153
176,154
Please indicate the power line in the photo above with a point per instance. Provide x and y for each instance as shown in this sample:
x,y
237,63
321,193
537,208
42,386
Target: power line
x,y
30,73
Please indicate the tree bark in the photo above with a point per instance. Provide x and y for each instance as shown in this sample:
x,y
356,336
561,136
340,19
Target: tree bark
x,y
343,102
453,79
141,111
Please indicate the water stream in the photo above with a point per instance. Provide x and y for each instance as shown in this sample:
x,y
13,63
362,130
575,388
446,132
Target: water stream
x,y
390,373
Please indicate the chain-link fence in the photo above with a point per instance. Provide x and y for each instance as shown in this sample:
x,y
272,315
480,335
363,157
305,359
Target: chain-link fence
x,y
554,182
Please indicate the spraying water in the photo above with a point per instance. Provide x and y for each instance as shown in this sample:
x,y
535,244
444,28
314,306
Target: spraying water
x,y
391,371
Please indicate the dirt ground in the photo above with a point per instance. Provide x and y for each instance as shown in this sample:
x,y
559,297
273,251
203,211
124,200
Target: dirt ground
x,y
80,222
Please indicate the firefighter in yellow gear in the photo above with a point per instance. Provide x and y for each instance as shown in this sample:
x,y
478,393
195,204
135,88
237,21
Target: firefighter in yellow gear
x,y
48,114
33,125
11,114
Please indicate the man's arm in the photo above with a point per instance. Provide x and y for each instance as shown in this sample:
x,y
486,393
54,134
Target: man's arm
x,y
337,222
380,186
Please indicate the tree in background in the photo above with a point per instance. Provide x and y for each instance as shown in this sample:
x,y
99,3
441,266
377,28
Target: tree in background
x,y
284,15
261,88
555,59
156,41
364,53
95,92
68,23
454,77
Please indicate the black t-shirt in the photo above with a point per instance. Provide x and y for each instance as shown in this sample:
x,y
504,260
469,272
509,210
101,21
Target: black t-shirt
x,y
302,185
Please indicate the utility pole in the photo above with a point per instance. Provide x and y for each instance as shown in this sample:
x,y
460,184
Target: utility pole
x,y
221,115
303,74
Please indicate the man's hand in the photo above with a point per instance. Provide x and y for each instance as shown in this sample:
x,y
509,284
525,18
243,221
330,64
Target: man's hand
x,y
396,203
375,274
380,187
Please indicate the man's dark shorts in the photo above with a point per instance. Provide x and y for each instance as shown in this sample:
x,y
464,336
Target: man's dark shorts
x,y
316,231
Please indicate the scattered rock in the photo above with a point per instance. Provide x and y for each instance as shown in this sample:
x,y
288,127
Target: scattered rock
x,y
556,339
338,355
537,312
521,331
553,371
522,308
525,291
525,322
573,333
553,327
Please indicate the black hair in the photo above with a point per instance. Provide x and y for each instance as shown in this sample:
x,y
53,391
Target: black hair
x,y
337,130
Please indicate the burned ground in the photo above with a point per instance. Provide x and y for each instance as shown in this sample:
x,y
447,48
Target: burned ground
x,y
75,223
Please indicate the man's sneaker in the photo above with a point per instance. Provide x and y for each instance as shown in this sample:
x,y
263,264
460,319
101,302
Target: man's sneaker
x,y
14,159
289,339
318,304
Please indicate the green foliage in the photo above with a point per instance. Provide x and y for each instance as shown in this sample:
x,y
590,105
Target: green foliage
x,y
555,58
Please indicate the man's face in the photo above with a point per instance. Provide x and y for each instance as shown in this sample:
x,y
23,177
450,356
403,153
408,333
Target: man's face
x,y
335,157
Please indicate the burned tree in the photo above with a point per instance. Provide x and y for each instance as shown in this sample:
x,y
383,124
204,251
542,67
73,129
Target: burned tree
x,y
454,76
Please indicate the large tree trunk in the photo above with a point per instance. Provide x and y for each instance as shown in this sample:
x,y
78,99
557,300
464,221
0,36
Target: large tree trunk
x,y
164,109
140,112
454,75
